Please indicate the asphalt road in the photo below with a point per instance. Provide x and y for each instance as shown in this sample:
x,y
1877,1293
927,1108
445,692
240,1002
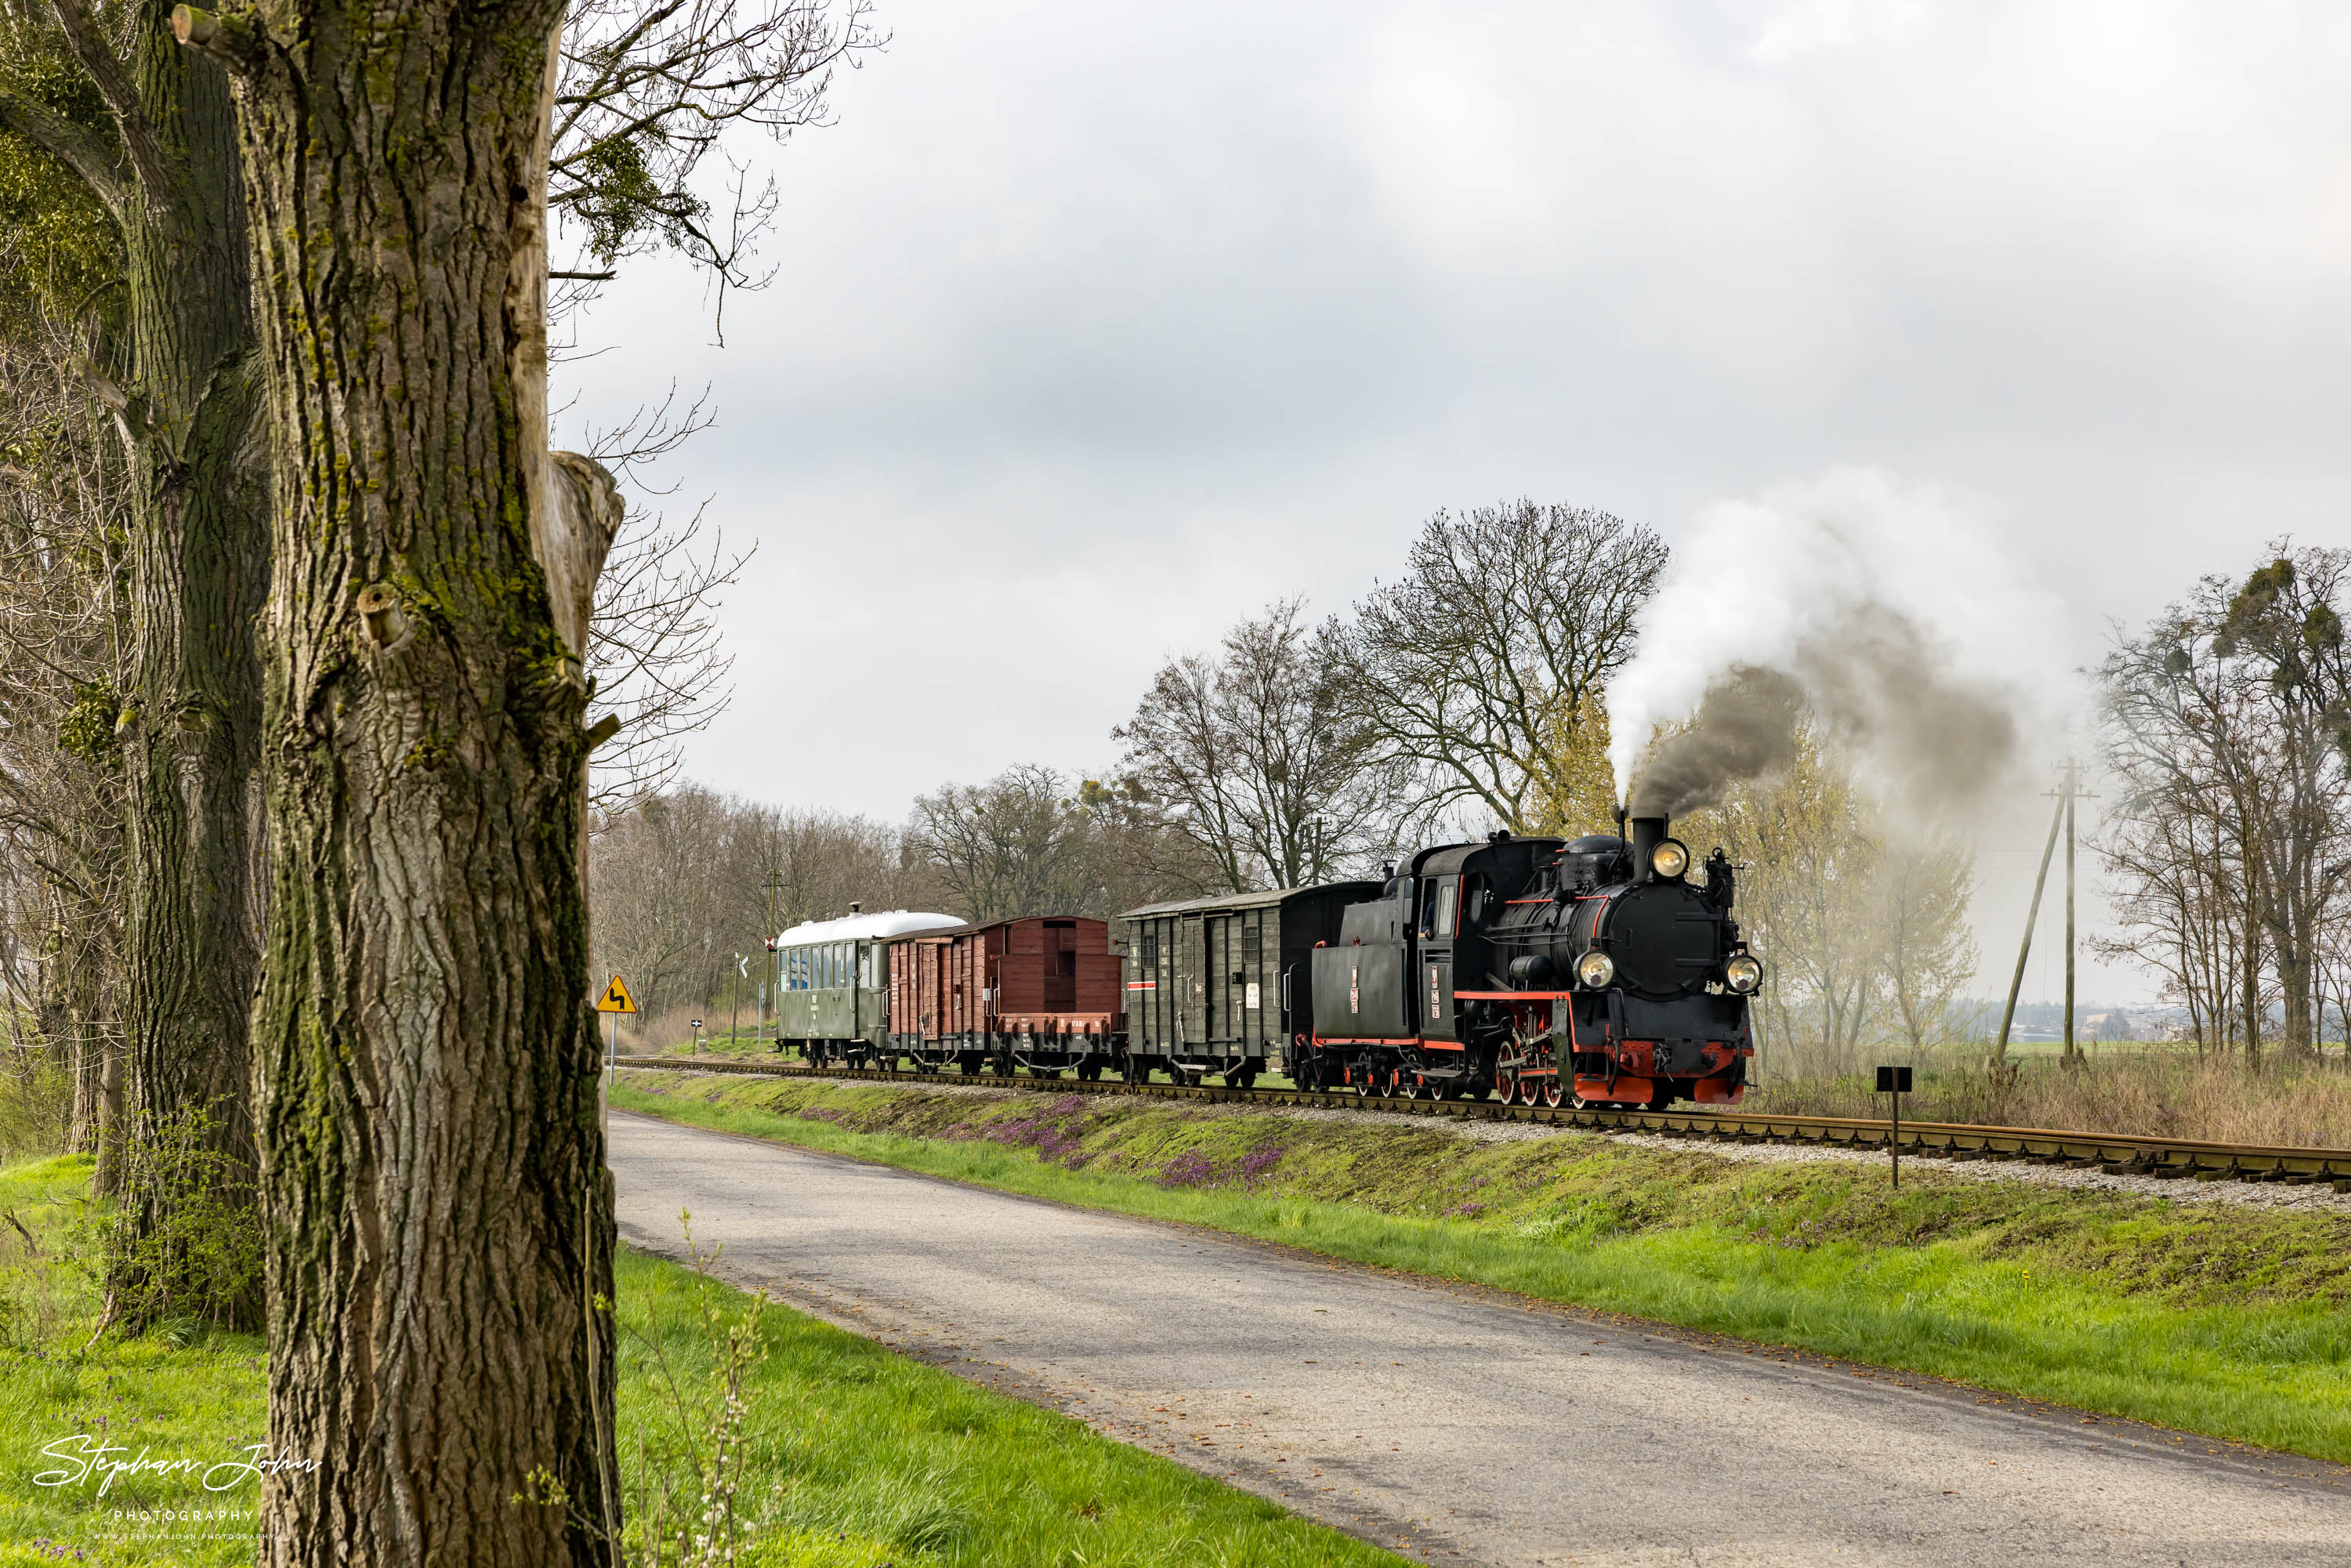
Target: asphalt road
x,y
1453,1423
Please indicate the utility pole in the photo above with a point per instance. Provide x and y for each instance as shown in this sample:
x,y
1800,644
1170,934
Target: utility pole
x,y
2061,818
2072,1052
2025,951
775,885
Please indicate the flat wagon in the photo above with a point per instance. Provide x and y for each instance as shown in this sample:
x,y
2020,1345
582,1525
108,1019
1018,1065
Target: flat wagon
x,y
1041,993
1225,984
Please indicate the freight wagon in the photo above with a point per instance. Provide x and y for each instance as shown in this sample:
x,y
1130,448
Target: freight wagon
x,y
1041,993
1225,984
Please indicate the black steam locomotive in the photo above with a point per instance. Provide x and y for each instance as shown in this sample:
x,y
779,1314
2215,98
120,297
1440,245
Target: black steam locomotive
x,y
1591,971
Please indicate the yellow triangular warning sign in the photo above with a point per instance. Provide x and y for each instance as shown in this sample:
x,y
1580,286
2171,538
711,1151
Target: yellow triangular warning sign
x,y
615,998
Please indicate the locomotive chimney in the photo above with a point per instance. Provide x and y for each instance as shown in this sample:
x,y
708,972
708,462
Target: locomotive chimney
x,y
1648,832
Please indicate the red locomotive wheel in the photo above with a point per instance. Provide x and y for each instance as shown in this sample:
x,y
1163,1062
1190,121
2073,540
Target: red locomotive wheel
x,y
1506,1086
1550,1092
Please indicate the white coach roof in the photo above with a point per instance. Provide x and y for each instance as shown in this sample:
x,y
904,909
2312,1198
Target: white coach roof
x,y
889,922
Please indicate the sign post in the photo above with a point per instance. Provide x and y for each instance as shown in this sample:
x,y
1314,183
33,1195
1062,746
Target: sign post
x,y
1894,1082
615,1001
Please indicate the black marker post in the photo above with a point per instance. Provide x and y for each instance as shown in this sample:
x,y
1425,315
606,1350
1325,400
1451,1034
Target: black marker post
x,y
1895,1080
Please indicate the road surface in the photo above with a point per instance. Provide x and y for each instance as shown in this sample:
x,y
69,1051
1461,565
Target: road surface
x,y
1455,1424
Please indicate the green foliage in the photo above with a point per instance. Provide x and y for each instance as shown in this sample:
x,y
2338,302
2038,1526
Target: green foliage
x,y
197,1257
60,252
620,197
2212,1318
36,1101
88,728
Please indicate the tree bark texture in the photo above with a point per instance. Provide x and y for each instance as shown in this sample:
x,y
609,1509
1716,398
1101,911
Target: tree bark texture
x,y
435,1192
191,726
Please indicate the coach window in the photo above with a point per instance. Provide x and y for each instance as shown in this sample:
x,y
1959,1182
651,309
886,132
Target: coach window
x,y
866,967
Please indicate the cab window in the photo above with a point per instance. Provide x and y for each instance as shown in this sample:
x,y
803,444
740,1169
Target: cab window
x,y
1448,891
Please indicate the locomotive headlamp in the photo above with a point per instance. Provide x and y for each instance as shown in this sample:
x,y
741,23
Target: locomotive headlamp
x,y
1670,859
1742,974
1595,970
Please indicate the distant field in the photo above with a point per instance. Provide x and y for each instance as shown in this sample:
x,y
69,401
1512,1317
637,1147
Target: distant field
x,y
2207,1318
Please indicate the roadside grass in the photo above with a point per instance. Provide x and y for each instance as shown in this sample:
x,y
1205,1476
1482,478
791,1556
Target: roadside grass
x,y
851,1456
2206,1317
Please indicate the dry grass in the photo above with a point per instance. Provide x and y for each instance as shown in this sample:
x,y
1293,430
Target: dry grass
x,y
2154,1094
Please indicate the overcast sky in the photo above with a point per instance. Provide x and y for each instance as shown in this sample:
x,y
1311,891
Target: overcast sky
x,y
1097,328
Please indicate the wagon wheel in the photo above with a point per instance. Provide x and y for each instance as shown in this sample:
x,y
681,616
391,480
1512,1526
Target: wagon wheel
x,y
968,1066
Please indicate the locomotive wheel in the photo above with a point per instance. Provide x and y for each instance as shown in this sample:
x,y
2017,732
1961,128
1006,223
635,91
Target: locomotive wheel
x,y
1361,1082
1392,1085
1550,1092
1506,1085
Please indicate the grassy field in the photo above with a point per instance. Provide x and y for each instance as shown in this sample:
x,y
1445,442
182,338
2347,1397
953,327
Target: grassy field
x,y
2207,1317
849,1457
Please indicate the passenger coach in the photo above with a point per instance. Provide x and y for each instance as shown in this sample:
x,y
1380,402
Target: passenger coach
x,y
832,985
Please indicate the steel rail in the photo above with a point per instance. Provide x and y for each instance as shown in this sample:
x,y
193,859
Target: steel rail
x,y
2116,1154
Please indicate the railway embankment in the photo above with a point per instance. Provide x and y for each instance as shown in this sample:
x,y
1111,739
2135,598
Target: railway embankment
x,y
2208,1316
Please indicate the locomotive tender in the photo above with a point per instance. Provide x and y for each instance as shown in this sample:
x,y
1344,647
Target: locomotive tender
x,y
1591,971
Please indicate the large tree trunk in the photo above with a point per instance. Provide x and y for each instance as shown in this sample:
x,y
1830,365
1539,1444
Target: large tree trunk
x,y
436,1199
190,723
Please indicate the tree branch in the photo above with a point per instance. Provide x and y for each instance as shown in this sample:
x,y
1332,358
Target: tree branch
x,y
97,164
139,143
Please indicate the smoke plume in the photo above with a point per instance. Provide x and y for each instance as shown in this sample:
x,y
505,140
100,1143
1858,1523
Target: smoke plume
x,y
1884,614
1745,729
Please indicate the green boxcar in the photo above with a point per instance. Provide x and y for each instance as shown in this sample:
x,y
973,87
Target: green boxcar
x,y
832,986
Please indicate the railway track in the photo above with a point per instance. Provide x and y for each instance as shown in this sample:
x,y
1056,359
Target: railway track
x,y
2114,1153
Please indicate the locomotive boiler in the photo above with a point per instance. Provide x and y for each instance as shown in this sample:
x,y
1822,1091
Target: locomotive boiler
x,y
1593,971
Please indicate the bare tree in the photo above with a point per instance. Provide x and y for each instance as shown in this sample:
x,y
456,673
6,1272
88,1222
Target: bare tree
x,y
1924,880
64,661
1259,760
2226,725
1477,667
1023,843
650,88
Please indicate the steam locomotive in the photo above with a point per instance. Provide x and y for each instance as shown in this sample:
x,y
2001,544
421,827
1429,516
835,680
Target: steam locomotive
x,y
1591,971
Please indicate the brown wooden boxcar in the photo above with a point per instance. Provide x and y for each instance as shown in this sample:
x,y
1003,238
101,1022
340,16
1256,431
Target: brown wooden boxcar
x,y
1042,993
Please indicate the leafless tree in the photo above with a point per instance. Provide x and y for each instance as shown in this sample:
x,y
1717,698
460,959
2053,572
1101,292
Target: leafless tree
x,y
1476,668
2226,727
1924,879
649,88
1258,759
64,661
1024,844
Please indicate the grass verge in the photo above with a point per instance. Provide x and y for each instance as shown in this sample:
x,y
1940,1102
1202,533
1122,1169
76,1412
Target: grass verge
x,y
2207,1317
851,1457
